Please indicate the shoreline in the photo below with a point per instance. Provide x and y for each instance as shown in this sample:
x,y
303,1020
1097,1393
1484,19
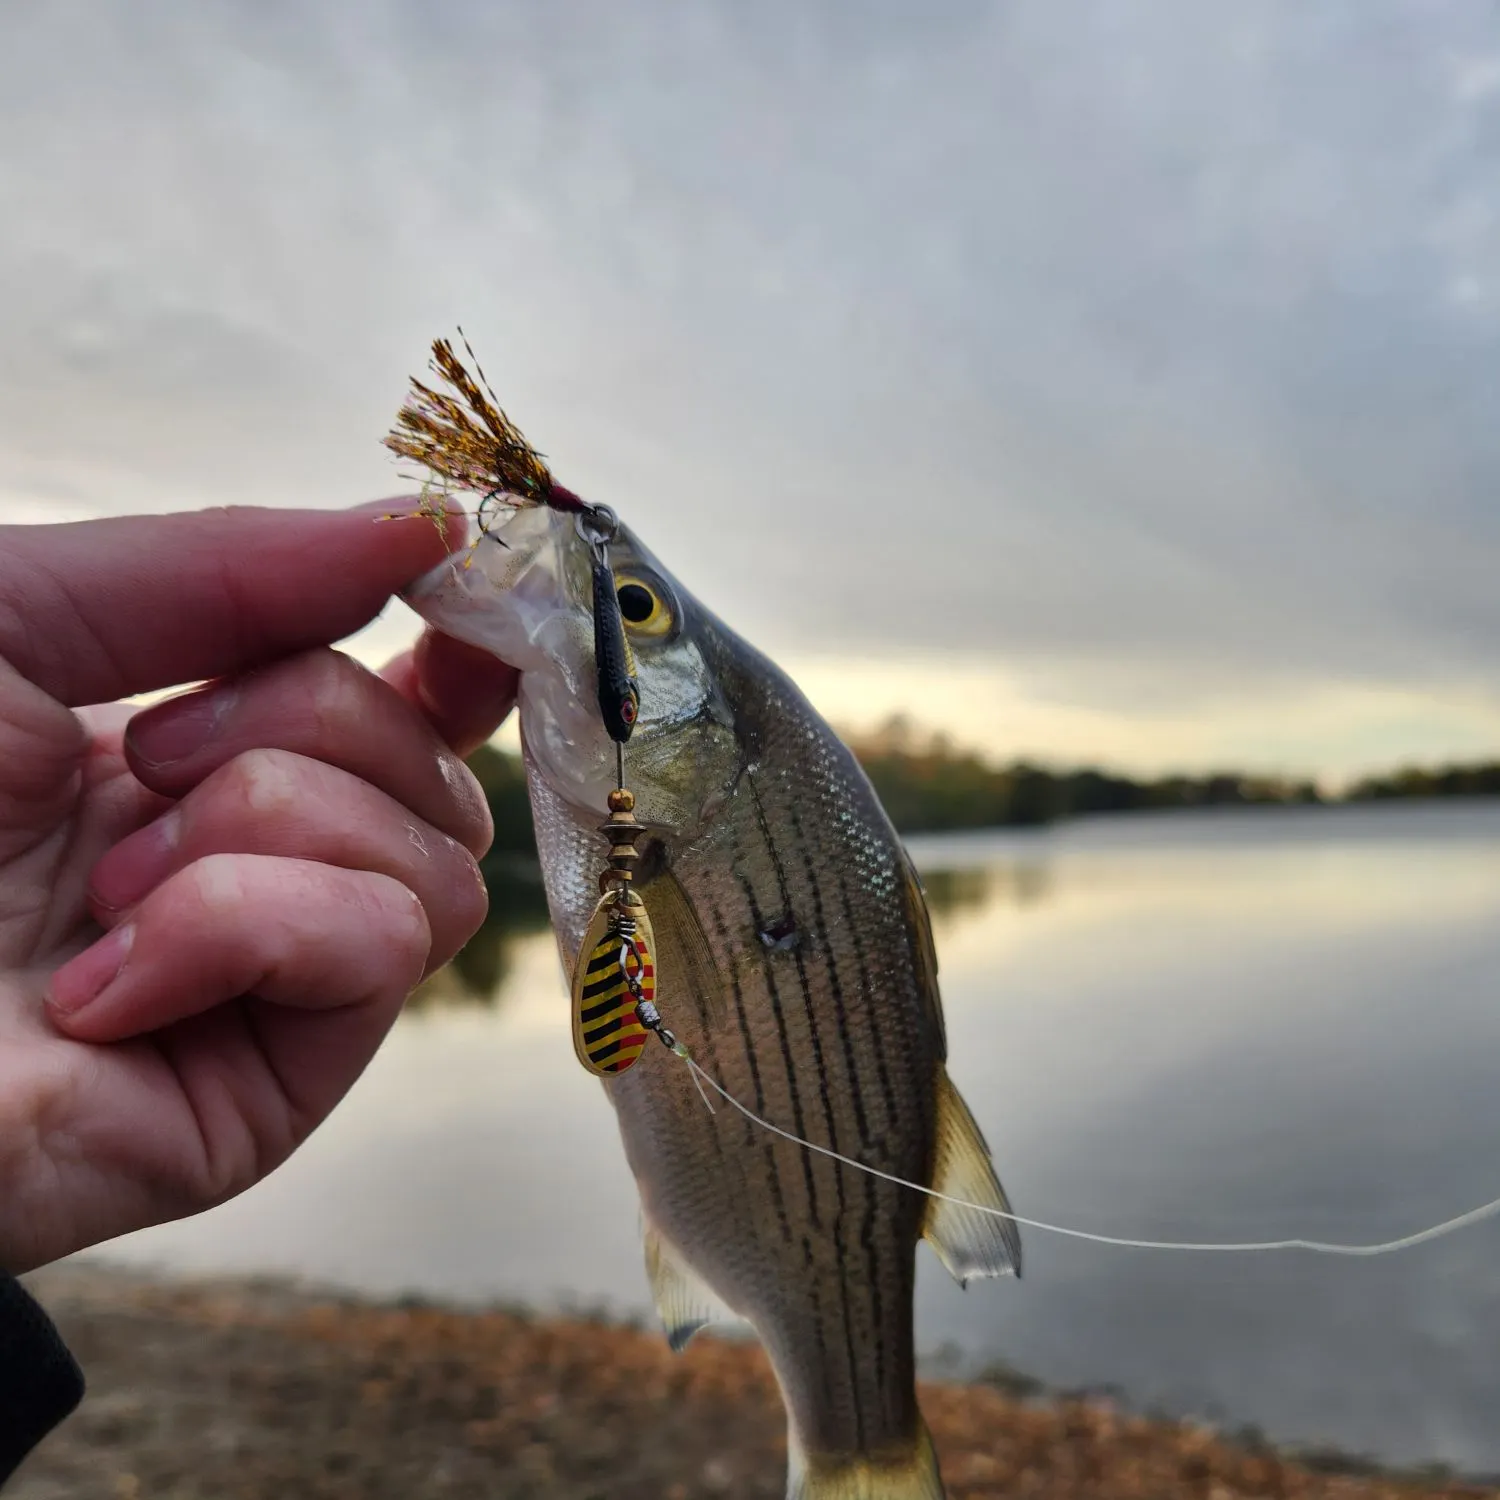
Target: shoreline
x,y
241,1387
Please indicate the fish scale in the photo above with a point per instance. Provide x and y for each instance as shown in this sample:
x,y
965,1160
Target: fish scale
x,y
793,959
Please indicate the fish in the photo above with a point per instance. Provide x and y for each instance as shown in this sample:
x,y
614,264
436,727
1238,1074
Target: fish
x,y
793,960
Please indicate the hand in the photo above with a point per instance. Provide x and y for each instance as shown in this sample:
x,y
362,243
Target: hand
x,y
273,861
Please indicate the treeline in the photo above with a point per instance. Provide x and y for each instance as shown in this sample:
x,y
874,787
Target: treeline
x,y
924,793
930,785
1413,781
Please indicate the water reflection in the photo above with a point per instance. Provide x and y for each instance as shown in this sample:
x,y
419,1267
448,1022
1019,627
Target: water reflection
x,y
1235,1027
518,909
960,892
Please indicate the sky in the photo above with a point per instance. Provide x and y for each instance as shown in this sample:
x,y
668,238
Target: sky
x,y
1109,382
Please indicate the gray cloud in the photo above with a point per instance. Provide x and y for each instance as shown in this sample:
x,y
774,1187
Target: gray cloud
x,y
1149,347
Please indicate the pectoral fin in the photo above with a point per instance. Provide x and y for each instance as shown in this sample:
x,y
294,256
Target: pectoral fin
x,y
968,1243
690,972
683,1302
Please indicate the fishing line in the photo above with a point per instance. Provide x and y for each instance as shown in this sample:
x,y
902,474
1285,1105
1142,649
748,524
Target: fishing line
x,y
1315,1247
466,441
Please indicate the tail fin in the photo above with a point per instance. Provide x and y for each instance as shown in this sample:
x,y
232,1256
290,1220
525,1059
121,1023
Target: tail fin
x,y
891,1475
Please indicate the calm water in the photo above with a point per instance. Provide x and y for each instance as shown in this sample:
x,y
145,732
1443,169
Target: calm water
x,y
1217,1027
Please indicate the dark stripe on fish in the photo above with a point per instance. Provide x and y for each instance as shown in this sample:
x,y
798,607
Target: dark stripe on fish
x,y
851,1355
788,1058
812,1290
868,1189
798,956
841,1012
768,1143
867,989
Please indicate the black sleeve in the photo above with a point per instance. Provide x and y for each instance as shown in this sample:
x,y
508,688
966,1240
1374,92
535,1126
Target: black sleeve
x,y
40,1382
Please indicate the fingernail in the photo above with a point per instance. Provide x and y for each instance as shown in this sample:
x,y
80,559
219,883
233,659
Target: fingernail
x,y
137,864
83,979
180,727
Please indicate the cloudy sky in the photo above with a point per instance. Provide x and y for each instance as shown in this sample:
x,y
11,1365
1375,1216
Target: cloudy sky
x,y
1109,381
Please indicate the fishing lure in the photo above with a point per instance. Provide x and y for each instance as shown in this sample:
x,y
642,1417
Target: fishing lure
x,y
465,440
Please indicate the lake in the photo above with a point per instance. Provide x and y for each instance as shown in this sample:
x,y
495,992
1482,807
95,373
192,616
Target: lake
x,y
1221,1026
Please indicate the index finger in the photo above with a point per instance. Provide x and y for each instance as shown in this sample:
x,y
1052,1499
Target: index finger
x,y
96,610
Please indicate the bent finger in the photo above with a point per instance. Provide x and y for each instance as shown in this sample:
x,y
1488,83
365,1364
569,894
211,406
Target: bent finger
x,y
299,935
272,802
327,707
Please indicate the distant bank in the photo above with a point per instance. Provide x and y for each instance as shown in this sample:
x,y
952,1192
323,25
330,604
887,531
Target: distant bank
x,y
929,785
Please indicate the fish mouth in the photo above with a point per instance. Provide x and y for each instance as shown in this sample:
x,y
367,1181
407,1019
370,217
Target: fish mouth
x,y
517,589
503,590
522,591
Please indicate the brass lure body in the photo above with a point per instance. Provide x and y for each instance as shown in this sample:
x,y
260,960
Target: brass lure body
x,y
614,978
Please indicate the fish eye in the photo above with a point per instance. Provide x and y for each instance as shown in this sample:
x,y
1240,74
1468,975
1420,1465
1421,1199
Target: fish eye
x,y
643,609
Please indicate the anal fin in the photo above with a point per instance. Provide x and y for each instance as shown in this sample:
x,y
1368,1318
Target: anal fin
x,y
968,1243
683,1302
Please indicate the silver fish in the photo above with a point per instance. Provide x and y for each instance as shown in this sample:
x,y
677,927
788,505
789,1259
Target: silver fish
x,y
795,961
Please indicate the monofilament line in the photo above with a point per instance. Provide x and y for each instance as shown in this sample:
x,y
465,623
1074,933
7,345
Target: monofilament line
x,y
1245,1247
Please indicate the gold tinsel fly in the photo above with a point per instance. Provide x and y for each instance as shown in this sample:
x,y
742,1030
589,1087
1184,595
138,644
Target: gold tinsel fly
x,y
465,441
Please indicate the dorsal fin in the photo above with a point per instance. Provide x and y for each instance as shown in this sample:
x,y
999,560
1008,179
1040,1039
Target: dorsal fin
x,y
919,924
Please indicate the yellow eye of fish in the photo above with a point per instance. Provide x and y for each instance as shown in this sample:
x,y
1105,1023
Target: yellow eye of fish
x,y
644,610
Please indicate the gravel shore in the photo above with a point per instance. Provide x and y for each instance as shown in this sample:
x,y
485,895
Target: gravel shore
x,y
234,1390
